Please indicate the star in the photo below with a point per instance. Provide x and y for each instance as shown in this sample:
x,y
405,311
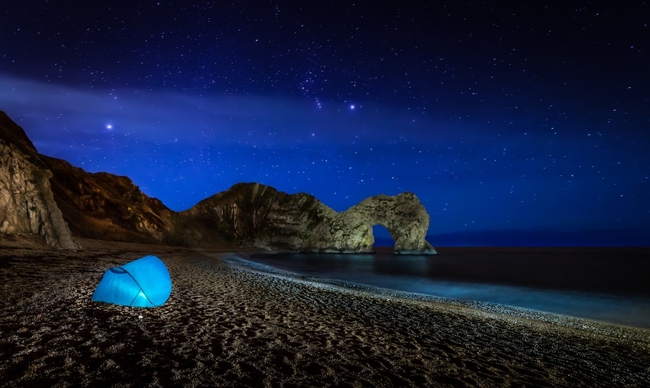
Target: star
x,y
433,117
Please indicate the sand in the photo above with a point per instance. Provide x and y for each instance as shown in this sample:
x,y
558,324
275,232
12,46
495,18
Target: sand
x,y
234,326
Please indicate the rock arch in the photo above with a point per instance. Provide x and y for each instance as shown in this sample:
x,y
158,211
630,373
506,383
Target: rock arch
x,y
405,218
255,215
403,215
382,236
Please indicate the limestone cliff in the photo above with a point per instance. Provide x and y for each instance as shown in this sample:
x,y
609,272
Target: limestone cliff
x,y
43,195
109,207
256,215
27,203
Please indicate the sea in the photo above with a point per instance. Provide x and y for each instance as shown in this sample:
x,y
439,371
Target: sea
x,y
604,284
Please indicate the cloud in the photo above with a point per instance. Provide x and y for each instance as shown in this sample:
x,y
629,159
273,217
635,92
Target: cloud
x,y
58,112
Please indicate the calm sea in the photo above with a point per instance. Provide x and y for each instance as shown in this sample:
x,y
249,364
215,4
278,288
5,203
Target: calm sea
x,y
607,284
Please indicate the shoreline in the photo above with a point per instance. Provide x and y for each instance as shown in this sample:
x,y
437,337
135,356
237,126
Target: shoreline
x,y
244,261
225,326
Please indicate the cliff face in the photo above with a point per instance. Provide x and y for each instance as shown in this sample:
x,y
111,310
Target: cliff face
x,y
106,206
11,133
27,203
43,195
256,215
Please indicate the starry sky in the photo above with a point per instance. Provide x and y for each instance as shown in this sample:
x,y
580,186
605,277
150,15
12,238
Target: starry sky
x,y
515,123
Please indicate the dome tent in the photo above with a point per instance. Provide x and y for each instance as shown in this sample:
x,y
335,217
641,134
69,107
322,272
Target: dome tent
x,y
141,283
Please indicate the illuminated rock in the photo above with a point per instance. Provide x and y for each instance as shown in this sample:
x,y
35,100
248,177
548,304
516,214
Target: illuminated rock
x,y
255,215
43,195
26,201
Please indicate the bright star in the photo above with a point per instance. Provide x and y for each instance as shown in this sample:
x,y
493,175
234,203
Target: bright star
x,y
109,126
352,107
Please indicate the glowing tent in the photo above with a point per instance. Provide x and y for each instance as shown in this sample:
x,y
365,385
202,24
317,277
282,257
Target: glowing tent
x,y
141,283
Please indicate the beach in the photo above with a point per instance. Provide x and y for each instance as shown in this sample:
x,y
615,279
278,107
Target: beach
x,y
228,325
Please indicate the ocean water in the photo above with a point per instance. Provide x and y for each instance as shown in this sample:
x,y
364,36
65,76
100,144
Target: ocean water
x,y
606,284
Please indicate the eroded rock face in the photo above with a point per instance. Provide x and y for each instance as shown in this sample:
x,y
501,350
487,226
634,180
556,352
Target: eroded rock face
x,y
44,195
403,215
256,215
107,207
27,204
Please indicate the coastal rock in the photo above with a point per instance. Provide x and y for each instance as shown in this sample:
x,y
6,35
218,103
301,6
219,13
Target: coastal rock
x,y
44,195
107,207
351,231
27,203
12,133
255,215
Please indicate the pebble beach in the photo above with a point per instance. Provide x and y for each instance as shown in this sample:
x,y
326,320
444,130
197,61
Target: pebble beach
x,y
233,325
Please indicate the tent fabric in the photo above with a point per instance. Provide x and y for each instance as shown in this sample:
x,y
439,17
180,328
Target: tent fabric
x,y
141,283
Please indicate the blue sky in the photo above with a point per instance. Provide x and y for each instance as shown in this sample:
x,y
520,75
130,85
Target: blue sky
x,y
533,124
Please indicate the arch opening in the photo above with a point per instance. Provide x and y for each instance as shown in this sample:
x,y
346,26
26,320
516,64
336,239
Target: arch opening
x,y
382,236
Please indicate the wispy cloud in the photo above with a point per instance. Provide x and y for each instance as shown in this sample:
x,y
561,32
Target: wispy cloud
x,y
53,110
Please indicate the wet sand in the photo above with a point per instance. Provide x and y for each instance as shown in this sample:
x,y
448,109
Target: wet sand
x,y
232,326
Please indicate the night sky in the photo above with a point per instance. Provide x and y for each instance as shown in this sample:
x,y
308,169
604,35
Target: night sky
x,y
515,123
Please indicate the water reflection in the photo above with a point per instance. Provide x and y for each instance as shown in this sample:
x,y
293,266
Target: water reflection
x,y
582,283
402,265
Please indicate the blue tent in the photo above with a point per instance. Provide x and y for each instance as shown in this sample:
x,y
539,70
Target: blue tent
x,y
141,283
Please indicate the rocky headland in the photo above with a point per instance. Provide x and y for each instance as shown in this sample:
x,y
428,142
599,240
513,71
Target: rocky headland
x,y
50,197
255,215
